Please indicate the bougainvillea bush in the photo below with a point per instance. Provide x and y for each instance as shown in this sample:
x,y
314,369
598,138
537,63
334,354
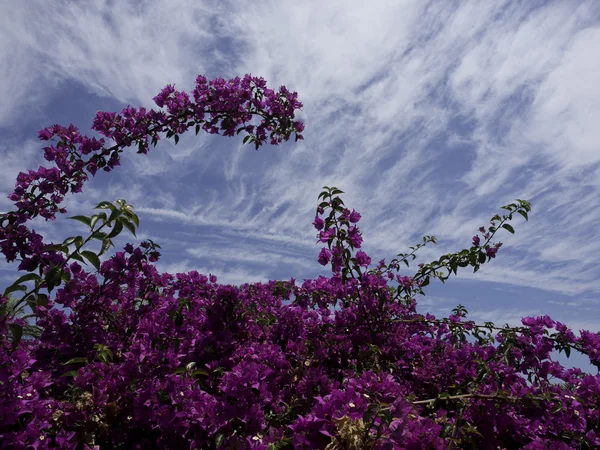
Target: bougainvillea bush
x,y
131,358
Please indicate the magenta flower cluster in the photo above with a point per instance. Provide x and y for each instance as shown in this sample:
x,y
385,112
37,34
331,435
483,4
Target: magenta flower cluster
x,y
138,359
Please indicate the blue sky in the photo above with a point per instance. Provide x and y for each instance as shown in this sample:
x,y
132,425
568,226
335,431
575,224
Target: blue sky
x,y
429,115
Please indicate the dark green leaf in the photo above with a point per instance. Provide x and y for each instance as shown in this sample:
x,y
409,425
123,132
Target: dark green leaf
x,y
42,300
117,228
72,239
127,224
113,215
133,217
105,205
83,219
14,288
28,277
17,333
79,360
55,248
96,217
71,373
508,228
92,258
99,235
77,257
53,277
106,243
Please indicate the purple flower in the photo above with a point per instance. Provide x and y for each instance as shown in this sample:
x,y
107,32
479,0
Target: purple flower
x,y
324,256
491,252
318,223
354,236
354,216
362,259
28,264
324,236
476,241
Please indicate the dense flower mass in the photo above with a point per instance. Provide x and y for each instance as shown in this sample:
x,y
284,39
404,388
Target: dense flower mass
x,y
129,357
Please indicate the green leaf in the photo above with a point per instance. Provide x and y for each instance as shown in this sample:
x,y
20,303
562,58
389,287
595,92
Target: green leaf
x,y
54,277
113,215
508,228
557,408
92,258
127,224
106,205
14,288
523,213
83,219
106,243
73,239
17,333
78,242
28,277
42,300
32,300
71,373
97,217
118,227
133,217
453,265
104,353
77,257
219,439
79,360
176,137
481,258
55,248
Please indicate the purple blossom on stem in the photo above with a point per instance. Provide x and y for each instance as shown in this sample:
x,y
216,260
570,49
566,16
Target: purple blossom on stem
x,y
324,256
